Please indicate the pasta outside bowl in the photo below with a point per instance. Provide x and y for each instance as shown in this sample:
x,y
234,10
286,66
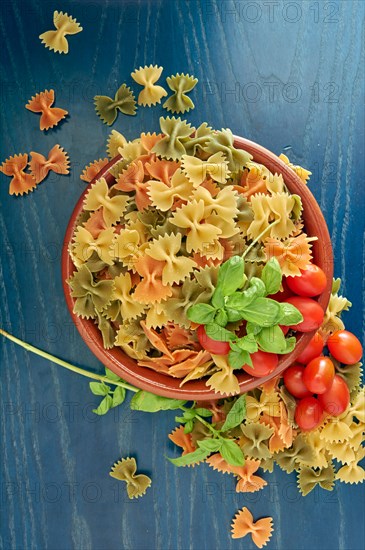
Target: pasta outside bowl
x,y
142,377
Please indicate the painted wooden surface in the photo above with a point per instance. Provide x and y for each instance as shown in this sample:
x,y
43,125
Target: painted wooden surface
x,y
284,74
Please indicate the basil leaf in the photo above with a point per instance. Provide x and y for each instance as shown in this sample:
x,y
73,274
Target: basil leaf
x,y
291,342
272,339
248,343
217,299
232,453
201,313
258,285
210,445
233,315
98,388
271,276
231,275
203,412
236,415
149,402
252,328
237,359
221,318
118,396
262,311
104,405
239,300
219,333
110,374
289,314
190,458
189,426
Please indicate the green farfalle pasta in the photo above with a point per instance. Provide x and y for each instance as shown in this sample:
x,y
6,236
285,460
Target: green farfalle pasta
x,y
223,141
107,108
91,297
125,470
299,453
175,131
255,444
132,339
309,478
180,84
352,374
107,331
195,143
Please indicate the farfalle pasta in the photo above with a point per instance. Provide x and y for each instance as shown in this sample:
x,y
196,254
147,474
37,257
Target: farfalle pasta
x,y
180,84
107,108
147,77
42,103
65,25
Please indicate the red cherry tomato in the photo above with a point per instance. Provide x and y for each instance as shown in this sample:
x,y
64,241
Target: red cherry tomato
x,y
284,294
311,310
313,349
284,329
318,375
293,381
311,282
308,414
263,363
336,400
213,346
345,347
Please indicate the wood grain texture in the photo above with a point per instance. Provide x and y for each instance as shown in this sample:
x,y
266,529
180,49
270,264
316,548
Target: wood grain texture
x,y
287,76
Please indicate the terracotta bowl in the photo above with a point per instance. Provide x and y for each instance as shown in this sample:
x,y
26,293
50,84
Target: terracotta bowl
x,y
149,380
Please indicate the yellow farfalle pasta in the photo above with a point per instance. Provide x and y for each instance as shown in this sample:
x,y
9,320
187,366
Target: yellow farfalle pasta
x,y
353,472
65,25
112,207
85,244
129,306
115,141
147,76
220,210
223,382
165,249
301,172
163,195
192,218
197,170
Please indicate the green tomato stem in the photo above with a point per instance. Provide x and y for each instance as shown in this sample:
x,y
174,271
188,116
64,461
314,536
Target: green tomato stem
x,y
64,364
259,237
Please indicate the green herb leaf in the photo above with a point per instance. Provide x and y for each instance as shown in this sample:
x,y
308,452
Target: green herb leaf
x,y
233,315
110,374
221,318
98,388
189,427
190,458
272,276
272,339
231,275
104,405
201,313
262,311
210,445
289,314
231,452
291,342
236,415
118,396
217,300
258,286
240,300
205,413
219,333
248,343
252,328
149,402
238,358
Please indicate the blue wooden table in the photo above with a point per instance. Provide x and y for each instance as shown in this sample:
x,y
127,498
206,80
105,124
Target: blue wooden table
x,y
289,75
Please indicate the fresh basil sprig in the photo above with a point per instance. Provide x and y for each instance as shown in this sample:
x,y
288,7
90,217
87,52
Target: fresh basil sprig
x,y
237,299
111,398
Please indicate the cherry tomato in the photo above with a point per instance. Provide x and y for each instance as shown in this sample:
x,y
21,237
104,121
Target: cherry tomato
x,y
293,381
318,375
335,401
308,414
263,364
311,310
213,346
282,295
311,282
345,347
313,349
284,329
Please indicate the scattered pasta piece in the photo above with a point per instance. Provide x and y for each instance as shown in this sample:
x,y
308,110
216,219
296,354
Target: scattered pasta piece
x,y
147,77
180,84
56,40
57,162
42,103
308,478
92,170
115,140
107,108
260,530
125,470
301,172
21,182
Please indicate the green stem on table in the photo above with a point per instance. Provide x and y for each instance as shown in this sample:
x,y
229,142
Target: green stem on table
x,y
198,417
64,364
259,237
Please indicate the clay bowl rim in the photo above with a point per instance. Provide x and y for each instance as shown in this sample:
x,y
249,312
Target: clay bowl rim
x,y
142,377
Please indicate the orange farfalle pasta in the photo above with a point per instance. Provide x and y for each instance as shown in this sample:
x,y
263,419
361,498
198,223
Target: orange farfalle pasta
x,y
162,170
183,440
247,482
151,288
21,182
156,339
57,162
196,359
131,179
293,254
260,530
148,140
91,170
96,223
42,103
179,337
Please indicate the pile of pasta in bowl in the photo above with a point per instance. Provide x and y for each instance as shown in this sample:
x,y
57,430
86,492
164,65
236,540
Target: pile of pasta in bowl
x,y
183,261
